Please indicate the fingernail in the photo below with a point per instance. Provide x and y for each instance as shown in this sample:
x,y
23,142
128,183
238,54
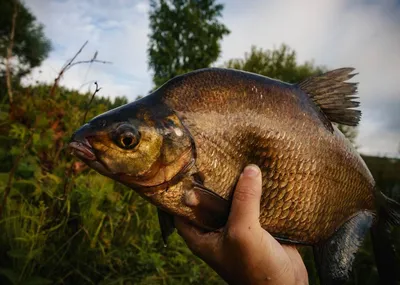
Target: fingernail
x,y
251,171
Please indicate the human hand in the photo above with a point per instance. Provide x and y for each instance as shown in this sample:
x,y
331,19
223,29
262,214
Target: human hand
x,y
243,252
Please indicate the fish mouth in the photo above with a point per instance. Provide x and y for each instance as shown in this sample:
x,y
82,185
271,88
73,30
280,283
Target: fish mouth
x,y
82,150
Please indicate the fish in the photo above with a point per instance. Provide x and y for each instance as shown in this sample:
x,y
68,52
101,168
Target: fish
x,y
183,147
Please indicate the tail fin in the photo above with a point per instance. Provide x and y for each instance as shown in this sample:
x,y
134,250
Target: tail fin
x,y
384,251
391,210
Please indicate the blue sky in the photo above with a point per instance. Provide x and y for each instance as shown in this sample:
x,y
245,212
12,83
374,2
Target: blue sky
x,y
335,33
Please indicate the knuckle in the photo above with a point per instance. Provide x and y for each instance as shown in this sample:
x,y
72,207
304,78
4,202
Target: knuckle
x,y
234,234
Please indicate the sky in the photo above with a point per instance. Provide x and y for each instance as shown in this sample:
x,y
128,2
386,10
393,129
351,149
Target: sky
x,y
364,34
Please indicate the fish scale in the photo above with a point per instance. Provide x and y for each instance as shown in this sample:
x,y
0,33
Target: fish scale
x,y
311,218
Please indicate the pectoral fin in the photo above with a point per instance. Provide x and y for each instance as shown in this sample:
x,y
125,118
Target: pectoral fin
x,y
210,209
166,224
334,258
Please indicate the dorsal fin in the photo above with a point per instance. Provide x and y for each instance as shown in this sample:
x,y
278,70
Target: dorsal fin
x,y
334,96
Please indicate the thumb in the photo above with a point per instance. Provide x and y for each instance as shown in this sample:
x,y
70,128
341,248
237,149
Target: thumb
x,y
245,208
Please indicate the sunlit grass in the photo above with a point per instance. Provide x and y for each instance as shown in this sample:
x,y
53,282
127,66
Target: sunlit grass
x,y
77,227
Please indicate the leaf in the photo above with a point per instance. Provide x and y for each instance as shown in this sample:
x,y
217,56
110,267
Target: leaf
x,y
15,150
22,239
52,229
53,177
41,121
35,139
3,115
3,179
34,252
17,253
25,187
18,131
37,280
10,274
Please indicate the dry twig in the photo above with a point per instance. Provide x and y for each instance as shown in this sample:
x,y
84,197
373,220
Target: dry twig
x,y
90,102
70,63
69,175
9,52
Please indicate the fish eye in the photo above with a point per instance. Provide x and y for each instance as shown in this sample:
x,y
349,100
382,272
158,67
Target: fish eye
x,y
170,122
127,137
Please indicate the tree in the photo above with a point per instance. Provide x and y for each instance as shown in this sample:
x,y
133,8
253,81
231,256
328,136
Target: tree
x,y
278,63
185,35
349,132
282,64
29,44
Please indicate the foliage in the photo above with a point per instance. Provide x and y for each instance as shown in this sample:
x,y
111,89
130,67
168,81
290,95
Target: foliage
x,y
350,132
281,64
278,63
184,36
65,224
30,46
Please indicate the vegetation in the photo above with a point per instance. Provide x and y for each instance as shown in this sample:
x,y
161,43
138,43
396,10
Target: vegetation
x,y
23,44
280,63
184,36
62,223
30,44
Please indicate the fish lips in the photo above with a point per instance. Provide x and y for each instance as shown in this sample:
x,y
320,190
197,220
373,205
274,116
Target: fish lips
x,y
84,151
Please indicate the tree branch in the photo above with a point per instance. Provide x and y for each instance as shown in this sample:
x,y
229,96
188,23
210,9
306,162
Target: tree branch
x,y
90,61
64,68
90,102
9,53
70,63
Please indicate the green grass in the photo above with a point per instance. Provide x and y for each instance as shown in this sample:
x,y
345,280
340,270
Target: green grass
x,y
64,225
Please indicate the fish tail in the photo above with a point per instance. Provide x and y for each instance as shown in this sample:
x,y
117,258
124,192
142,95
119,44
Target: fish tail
x,y
391,210
385,255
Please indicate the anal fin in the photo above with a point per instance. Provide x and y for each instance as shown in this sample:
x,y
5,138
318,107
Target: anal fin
x,y
166,222
334,258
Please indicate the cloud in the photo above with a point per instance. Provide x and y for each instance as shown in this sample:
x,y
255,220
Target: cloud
x,y
335,33
117,30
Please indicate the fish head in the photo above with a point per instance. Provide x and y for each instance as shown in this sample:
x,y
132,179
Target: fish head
x,y
143,145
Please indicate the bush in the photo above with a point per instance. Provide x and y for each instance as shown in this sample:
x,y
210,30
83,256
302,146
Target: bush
x,y
61,222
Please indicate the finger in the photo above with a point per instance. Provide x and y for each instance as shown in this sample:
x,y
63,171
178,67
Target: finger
x,y
297,262
199,242
187,230
245,208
